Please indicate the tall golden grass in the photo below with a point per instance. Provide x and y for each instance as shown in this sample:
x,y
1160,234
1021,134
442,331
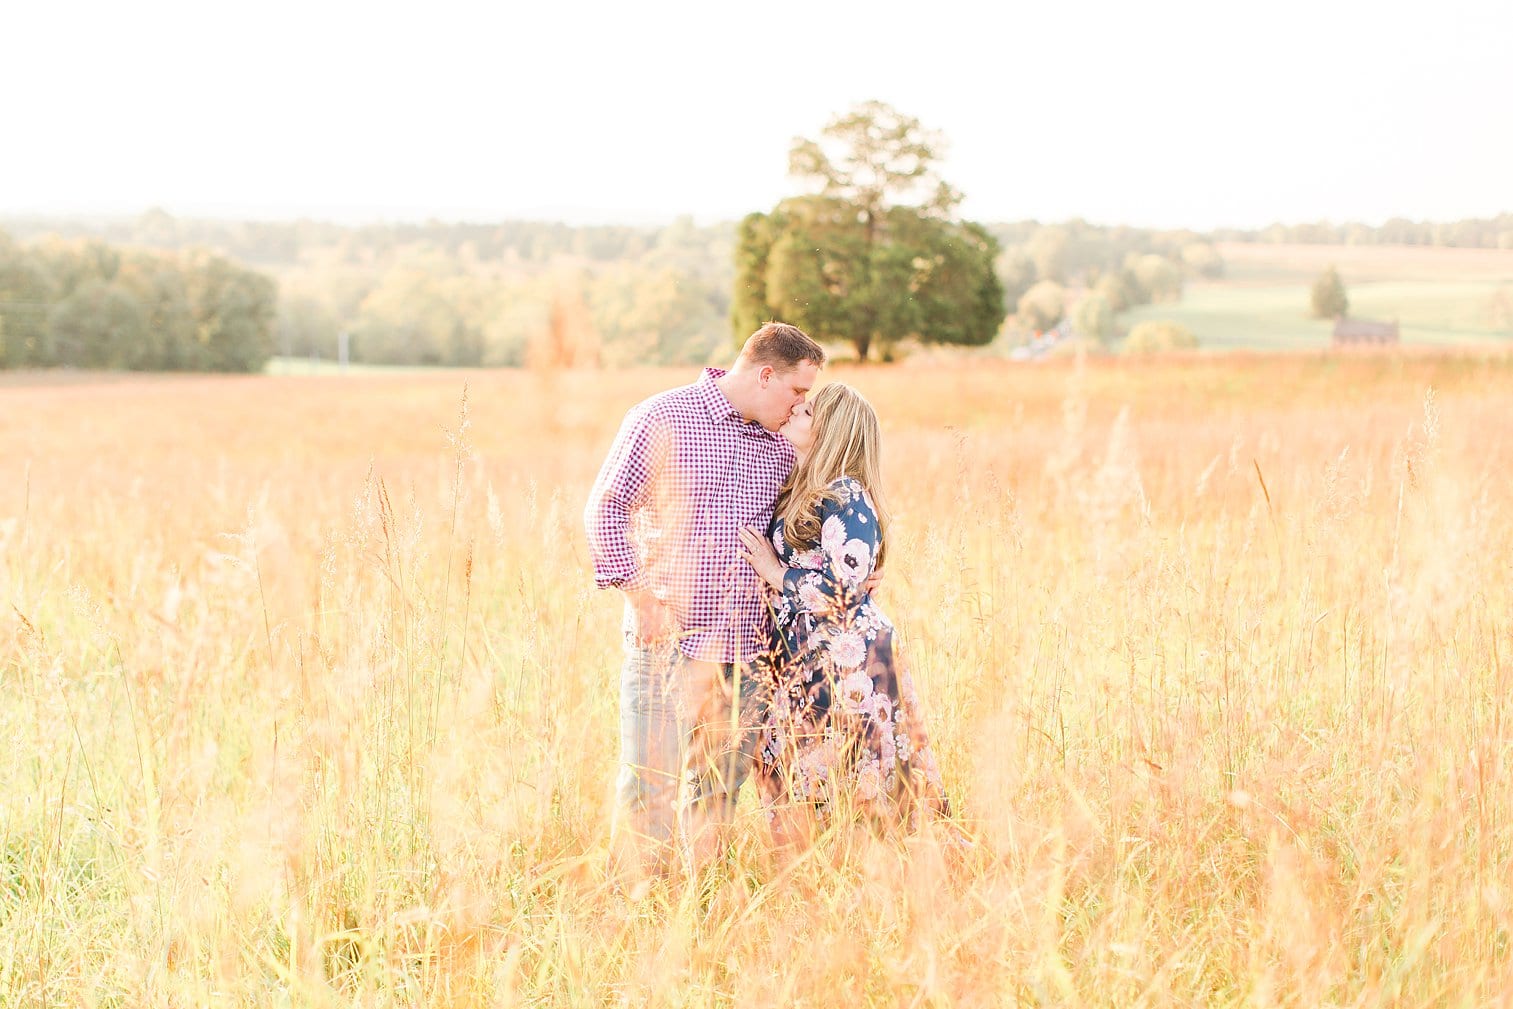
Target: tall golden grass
x,y
308,700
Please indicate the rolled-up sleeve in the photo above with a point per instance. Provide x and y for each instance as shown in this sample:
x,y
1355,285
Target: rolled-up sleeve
x,y
624,484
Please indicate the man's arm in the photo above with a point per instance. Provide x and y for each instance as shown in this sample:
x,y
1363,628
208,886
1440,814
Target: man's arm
x,y
625,483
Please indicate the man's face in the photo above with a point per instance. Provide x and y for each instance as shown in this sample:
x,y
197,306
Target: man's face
x,y
778,392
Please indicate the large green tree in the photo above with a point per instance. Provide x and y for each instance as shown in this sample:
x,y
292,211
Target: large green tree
x,y
876,255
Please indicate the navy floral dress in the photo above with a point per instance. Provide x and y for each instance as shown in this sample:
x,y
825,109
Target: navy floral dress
x,y
843,711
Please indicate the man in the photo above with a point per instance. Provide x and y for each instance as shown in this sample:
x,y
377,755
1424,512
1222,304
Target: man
x,y
689,469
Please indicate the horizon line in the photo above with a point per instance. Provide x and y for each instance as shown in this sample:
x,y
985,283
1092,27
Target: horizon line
x,y
582,217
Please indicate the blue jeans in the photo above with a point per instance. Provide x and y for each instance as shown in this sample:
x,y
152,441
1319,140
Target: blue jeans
x,y
688,731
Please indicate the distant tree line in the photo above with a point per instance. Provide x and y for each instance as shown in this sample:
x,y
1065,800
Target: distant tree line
x,y
104,294
142,293
1471,233
87,304
1096,272
637,296
135,293
485,295
456,294
283,243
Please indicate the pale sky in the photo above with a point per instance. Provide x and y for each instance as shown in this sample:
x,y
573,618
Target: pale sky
x,y
1159,113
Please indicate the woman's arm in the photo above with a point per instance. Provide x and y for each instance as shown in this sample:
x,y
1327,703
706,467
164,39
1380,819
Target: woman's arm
x,y
849,537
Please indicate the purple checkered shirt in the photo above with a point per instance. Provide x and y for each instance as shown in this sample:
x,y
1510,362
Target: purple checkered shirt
x,y
686,473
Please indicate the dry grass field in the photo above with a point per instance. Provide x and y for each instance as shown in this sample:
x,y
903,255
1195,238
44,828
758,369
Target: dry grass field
x,y
308,700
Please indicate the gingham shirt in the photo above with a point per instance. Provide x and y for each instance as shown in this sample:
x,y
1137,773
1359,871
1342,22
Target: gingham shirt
x,y
686,472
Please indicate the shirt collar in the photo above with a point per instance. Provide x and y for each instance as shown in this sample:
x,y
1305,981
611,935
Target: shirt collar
x,y
713,399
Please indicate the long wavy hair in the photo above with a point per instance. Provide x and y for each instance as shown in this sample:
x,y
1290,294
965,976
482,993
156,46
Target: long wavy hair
x,y
846,442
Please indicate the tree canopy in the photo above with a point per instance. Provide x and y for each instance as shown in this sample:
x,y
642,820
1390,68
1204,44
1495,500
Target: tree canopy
x,y
90,305
1094,317
1042,306
874,256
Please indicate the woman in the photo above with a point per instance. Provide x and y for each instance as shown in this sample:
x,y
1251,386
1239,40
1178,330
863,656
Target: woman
x,y
843,712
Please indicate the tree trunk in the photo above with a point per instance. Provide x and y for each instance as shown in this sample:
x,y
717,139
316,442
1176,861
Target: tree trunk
x,y
862,341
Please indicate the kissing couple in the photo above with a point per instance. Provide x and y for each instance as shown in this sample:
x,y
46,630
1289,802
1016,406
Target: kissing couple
x,y
746,527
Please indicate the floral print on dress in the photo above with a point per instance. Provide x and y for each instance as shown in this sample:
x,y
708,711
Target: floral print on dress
x,y
843,710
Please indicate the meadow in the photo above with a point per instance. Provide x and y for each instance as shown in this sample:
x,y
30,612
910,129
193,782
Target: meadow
x,y
1439,296
309,700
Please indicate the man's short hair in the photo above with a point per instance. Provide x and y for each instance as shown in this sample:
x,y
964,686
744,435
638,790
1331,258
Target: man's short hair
x,y
782,346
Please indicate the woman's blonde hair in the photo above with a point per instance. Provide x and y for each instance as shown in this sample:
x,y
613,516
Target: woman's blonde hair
x,y
846,443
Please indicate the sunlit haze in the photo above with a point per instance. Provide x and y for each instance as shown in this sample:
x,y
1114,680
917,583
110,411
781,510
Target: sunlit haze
x,y
1162,114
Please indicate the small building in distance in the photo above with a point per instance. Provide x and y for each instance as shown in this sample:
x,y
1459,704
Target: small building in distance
x,y
1364,333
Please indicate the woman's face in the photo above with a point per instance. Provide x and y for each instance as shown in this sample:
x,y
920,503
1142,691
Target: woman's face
x,y
800,427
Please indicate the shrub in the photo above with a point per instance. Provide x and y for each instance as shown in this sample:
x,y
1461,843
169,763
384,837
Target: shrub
x,y
1159,335
1094,317
1042,306
1328,298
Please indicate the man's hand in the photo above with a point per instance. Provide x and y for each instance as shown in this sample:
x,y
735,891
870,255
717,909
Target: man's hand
x,y
653,617
873,581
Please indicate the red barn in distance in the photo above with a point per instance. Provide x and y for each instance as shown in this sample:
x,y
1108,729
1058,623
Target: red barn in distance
x,y
1364,333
